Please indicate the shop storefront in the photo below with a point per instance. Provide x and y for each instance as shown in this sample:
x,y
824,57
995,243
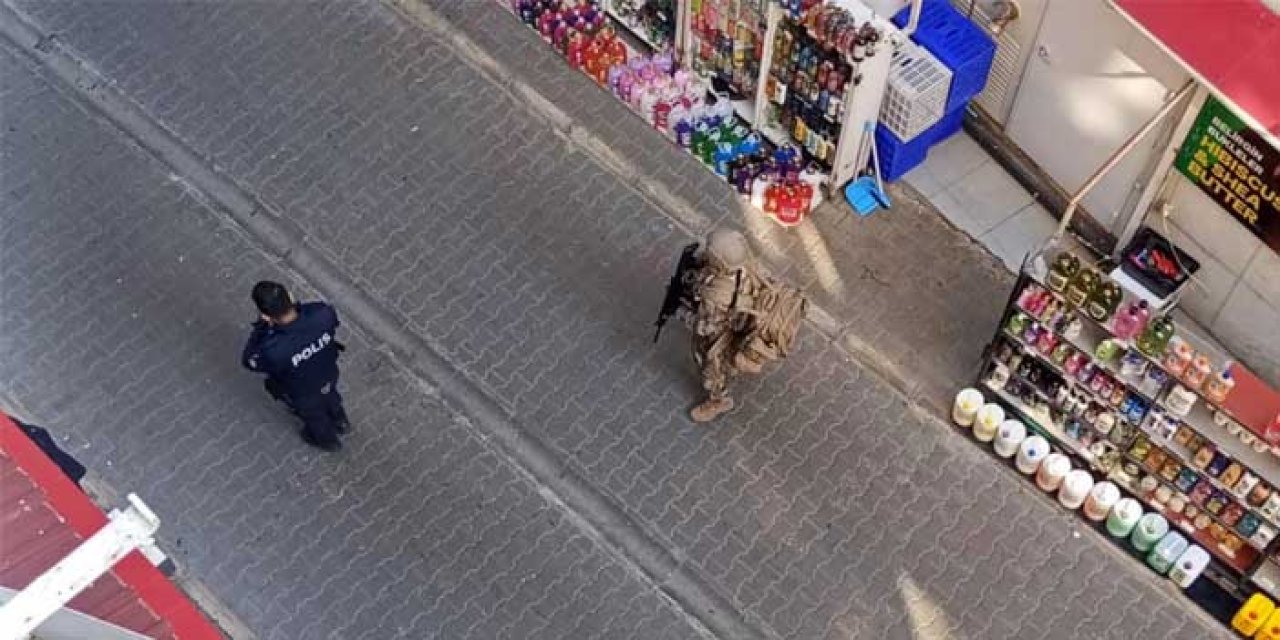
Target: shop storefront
x,y
788,100
1118,382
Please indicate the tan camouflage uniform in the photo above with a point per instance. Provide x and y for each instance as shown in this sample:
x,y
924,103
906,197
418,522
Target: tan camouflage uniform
x,y
725,289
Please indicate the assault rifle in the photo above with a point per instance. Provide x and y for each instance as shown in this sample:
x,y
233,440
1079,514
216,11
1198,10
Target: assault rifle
x,y
676,289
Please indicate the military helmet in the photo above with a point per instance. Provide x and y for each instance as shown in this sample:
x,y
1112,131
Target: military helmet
x,y
729,247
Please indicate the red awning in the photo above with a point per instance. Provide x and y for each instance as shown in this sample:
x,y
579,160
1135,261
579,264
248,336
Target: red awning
x,y
1231,46
43,517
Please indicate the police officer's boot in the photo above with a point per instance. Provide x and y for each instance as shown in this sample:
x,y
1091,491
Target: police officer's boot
x,y
711,409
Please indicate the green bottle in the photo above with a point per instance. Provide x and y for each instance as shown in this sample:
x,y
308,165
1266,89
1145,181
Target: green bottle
x,y
1155,339
1064,268
1107,350
1104,301
1081,287
1018,323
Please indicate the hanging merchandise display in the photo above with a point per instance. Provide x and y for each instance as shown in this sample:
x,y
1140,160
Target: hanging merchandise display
x,y
653,22
726,42
1178,437
714,107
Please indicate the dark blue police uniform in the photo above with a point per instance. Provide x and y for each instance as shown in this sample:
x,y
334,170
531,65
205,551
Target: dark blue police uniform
x,y
301,363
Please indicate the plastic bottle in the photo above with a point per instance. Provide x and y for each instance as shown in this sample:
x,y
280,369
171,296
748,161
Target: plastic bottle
x,y
1218,387
1131,320
1166,552
1255,611
1155,338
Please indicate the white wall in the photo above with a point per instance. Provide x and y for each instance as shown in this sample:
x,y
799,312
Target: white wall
x,y
1236,293
1093,81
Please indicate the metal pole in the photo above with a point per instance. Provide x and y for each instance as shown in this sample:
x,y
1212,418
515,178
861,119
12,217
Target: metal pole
x,y
1117,157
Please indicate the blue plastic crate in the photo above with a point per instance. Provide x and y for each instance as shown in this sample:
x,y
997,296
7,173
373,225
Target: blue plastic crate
x,y
898,157
948,125
964,47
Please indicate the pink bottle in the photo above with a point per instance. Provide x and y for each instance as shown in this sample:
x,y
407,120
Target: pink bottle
x,y
1131,320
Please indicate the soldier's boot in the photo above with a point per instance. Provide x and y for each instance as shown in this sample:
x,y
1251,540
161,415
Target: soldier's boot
x,y
745,364
711,409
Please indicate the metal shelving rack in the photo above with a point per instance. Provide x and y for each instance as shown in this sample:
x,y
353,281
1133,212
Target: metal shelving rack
x,y
1041,412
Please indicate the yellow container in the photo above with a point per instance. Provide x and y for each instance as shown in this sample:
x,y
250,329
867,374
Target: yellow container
x,y
1271,628
1256,610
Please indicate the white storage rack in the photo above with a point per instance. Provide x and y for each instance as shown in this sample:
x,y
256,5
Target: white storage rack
x,y
917,94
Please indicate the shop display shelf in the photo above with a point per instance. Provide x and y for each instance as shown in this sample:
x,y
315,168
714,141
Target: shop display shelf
x,y
1197,343
1181,454
1210,515
632,28
1089,347
1240,561
1045,396
1044,427
1264,464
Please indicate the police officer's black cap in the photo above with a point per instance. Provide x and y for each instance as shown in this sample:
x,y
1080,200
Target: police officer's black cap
x,y
272,298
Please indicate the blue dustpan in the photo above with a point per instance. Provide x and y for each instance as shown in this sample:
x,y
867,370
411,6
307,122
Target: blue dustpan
x,y
865,196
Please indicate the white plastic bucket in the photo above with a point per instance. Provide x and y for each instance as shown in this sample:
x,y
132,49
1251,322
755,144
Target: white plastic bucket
x,y
988,422
1075,488
1052,471
1103,496
1008,437
965,409
1189,566
1031,453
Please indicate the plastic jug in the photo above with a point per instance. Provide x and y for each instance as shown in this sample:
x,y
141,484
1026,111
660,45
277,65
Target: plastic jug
x,y
1075,488
1255,611
1167,551
1008,437
965,409
1124,517
1031,453
1052,471
1189,566
1151,528
1103,496
1271,628
988,422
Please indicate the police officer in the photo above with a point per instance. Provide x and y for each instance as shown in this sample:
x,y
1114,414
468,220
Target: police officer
x,y
296,346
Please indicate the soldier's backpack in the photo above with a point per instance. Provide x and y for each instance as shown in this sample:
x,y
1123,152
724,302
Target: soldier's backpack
x,y
779,310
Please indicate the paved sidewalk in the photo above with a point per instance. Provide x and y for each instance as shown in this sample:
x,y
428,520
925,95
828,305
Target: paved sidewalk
x,y
125,307
908,294
825,507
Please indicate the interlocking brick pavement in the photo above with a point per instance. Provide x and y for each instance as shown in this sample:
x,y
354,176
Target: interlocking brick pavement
x,y
124,309
823,507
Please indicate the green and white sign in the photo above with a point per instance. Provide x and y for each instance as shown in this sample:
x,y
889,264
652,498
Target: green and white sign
x,y
1237,168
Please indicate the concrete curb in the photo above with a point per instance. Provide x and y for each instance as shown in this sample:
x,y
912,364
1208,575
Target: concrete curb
x,y
596,514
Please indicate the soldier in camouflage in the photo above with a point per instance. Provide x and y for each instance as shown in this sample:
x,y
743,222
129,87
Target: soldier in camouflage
x,y
725,291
